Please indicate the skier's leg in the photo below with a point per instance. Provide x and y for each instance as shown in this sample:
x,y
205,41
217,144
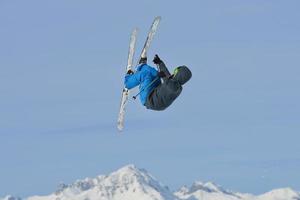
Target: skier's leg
x,y
163,95
154,101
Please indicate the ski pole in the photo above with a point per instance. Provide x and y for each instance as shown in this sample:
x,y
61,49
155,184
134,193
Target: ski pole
x,y
134,97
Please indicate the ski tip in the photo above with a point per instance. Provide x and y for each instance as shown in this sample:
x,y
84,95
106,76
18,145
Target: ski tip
x,y
156,20
135,30
120,127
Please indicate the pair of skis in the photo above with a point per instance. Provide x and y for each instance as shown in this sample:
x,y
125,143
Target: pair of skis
x,y
125,91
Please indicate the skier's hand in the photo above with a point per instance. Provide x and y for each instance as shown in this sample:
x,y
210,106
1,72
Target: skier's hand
x,y
130,72
156,59
161,74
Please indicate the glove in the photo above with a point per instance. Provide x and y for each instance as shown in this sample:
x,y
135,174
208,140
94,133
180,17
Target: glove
x,y
130,72
161,74
156,59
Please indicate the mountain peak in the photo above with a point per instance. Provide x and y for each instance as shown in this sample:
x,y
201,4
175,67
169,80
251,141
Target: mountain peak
x,y
130,169
131,174
127,183
126,175
282,193
9,197
208,187
208,190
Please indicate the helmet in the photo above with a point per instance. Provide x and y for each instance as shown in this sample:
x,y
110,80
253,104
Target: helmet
x,y
182,74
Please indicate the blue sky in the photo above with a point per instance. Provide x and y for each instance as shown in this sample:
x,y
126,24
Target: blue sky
x,y
236,123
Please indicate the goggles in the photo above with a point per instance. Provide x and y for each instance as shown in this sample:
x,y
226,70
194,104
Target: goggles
x,y
176,70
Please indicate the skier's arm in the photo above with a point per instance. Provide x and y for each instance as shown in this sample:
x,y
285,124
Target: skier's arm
x,y
162,68
132,80
161,65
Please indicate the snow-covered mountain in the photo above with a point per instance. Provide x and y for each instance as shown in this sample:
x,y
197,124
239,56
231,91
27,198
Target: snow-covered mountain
x,y
9,197
128,183
131,183
211,191
208,191
280,194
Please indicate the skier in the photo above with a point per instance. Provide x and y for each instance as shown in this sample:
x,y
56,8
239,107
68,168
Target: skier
x,y
158,89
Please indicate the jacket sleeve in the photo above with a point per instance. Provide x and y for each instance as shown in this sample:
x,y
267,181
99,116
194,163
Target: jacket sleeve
x,y
132,80
162,67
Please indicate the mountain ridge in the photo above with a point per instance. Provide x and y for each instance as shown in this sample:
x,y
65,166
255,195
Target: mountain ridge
x,y
130,183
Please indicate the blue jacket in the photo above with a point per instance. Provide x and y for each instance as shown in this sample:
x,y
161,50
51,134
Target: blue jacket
x,y
143,76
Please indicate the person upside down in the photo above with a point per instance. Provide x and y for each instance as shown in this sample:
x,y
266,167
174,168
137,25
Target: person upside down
x,y
158,89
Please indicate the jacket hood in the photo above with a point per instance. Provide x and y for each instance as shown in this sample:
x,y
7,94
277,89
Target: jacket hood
x,y
183,75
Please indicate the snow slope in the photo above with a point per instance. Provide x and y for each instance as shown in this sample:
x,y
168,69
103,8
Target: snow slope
x,y
131,183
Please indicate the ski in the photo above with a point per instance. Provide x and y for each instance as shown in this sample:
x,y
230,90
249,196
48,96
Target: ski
x,y
150,36
125,91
